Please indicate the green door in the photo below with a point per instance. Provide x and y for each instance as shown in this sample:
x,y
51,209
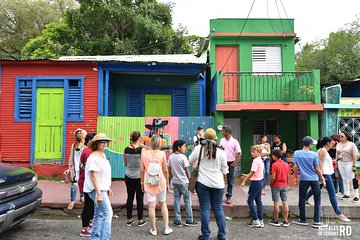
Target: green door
x,y
49,123
157,105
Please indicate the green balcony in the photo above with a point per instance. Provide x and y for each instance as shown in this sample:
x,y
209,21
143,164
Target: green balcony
x,y
269,87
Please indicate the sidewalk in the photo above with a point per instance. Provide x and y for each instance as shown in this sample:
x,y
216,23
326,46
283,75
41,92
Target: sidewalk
x,y
56,196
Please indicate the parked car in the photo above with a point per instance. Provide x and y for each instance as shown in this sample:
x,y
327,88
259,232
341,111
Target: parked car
x,y
19,196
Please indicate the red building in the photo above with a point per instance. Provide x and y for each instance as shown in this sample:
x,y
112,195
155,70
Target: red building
x,y
42,102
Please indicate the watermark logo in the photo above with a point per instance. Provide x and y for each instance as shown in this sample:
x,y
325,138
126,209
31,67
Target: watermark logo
x,y
335,231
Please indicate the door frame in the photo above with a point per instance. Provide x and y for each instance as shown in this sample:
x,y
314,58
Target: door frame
x,y
35,122
65,85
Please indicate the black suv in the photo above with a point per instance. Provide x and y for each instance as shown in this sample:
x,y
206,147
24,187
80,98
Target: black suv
x,y
19,196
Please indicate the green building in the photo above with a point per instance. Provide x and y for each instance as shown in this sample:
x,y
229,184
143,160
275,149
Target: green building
x,y
255,88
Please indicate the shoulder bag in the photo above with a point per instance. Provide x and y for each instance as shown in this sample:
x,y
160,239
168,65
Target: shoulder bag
x,y
194,174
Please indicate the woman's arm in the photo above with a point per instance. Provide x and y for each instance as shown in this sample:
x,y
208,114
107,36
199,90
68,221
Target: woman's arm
x,y
71,157
284,148
322,157
165,167
142,169
94,179
125,160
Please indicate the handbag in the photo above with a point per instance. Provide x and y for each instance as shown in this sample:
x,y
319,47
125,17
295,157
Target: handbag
x,y
194,174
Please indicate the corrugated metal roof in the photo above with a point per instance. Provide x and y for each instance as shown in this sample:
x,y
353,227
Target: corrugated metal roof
x,y
170,58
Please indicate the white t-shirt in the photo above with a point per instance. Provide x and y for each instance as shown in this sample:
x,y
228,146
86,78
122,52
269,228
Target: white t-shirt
x,y
102,166
211,171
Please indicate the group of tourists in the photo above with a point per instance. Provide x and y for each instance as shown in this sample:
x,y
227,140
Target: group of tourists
x,y
148,171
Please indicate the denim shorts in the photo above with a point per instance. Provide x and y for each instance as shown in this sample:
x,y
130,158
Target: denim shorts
x,y
279,193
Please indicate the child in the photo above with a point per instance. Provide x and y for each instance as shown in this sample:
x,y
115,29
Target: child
x,y
180,175
256,176
279,186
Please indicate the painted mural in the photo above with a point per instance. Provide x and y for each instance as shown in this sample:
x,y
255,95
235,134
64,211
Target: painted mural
x,y
119,129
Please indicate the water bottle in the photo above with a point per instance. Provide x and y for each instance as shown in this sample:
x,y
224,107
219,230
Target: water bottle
x,y
66,178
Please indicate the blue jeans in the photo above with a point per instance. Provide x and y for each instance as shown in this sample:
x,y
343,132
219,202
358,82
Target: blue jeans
x,y
267,171
73,191
184,191
211,197
303,188
254,194
331,191
338,183
103,213
230,180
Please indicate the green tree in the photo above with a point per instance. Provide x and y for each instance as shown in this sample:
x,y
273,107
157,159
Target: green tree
x,y
21,20
337,57
113,27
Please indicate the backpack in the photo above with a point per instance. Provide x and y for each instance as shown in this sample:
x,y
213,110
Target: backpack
x,y
153,176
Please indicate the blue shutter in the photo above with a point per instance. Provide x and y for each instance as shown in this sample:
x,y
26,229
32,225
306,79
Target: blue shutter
x,y
110,99
181,102
74,100
135,102
24,100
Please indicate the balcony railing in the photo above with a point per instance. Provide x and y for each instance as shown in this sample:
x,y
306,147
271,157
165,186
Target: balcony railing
x,y
270,87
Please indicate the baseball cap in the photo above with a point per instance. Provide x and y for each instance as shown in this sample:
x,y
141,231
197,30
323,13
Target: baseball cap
x,y
307,140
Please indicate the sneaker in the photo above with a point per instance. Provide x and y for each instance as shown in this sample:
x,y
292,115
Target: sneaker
x,y
177,223
299,222
228,200
355,200
142,223
168,231
85,233
153,232
262,225
309,203
254,224
191,223
129,223
343,218
345,197
319,225
285,224
274,223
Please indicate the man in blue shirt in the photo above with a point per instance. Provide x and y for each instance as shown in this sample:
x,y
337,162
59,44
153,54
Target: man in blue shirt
x,y
308,163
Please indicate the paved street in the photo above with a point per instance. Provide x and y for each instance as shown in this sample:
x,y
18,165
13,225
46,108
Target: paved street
x,y
68,228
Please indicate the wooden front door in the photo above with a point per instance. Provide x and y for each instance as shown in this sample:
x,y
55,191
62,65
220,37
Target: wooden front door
x,y
227,60
49,123
158,105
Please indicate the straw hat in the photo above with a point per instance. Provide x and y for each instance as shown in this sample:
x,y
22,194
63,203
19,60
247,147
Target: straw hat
x,y
99,137
84,133
210,134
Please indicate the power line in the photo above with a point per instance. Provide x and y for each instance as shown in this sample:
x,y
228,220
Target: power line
x,y
237,40
282,26
292,27
268,15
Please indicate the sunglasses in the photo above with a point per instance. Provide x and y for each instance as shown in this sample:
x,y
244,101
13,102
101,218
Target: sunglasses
x,y
104,141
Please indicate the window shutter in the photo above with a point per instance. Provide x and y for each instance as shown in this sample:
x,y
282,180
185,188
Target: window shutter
x,y
74,100
135,104
268,127
25,99
180,105
110,100
266,59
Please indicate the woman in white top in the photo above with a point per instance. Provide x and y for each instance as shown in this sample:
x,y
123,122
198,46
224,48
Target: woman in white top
x,y
323,146
97,184
347,154
74,165
265,152
210,183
